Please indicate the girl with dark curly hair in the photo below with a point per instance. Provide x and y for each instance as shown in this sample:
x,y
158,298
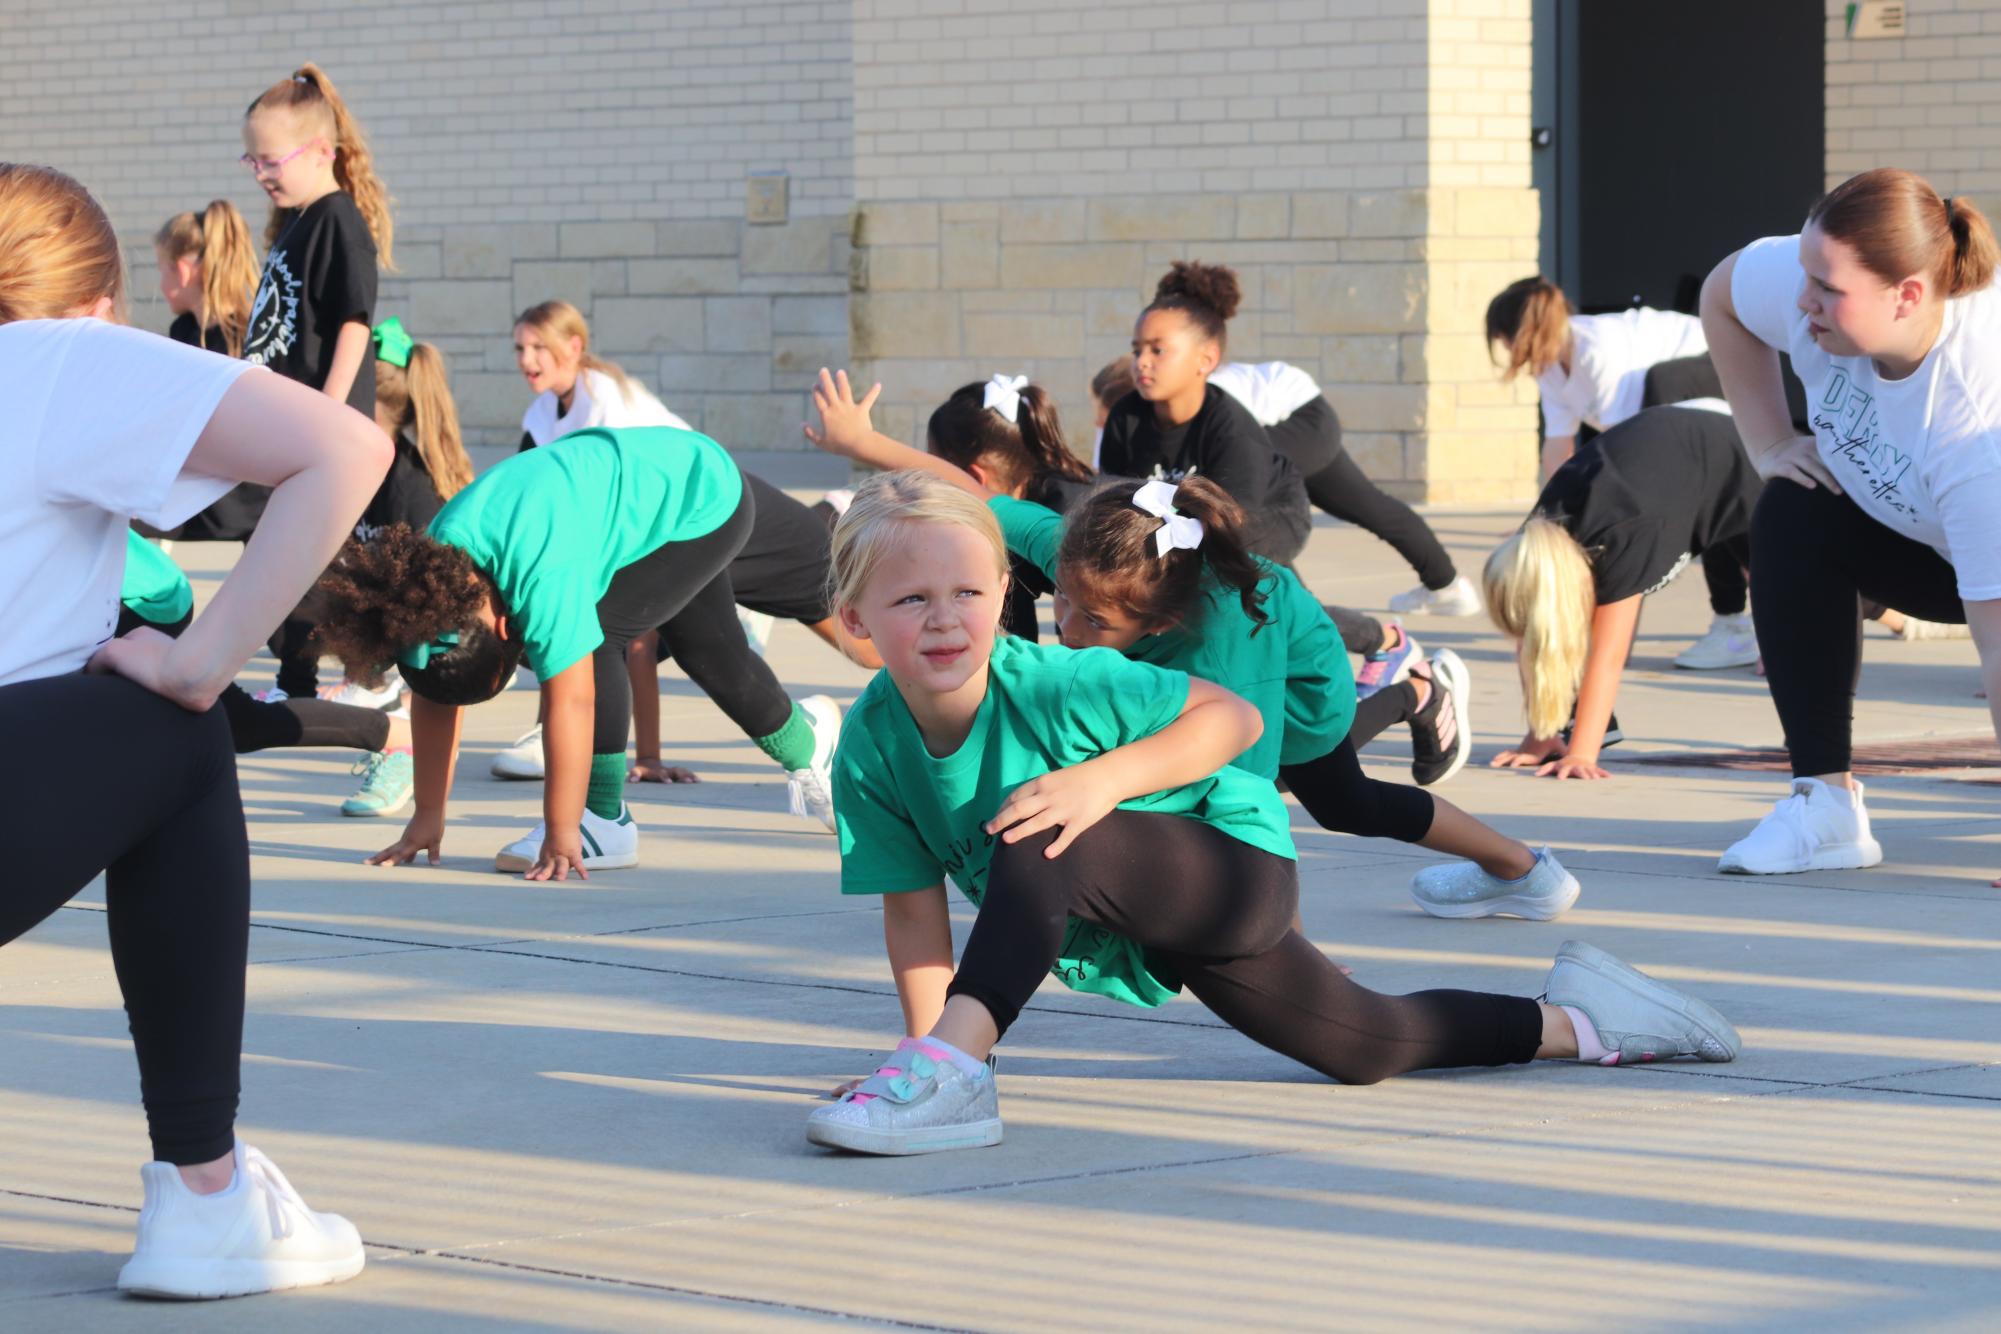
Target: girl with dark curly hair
x,y
562,555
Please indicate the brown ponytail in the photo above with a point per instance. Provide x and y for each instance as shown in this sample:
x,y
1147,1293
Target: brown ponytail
x,y
1022,452
311,95
57,250
1208,294
1531,319
1109,556
418,397
1899,226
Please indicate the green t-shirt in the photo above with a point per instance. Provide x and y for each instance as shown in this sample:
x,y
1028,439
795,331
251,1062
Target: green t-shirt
x,y
907,819
1293,670
551,526
154,590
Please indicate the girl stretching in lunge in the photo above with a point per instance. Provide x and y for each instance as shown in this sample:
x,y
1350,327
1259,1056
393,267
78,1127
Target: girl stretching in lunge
x,y
112,423
1161,574
1087,805
1619,520
638,524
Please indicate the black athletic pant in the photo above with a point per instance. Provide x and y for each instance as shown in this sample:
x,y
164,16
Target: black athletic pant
x,y
1817,555
1723,568
255,725
1341,798
1217,914
684,589
1311,438
165,825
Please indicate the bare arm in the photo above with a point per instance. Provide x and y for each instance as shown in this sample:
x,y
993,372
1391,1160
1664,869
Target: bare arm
x,y
1613,626
350,346
324,461
1213,728
569,707
1749,370
845,429
1556,451
917,932
434,745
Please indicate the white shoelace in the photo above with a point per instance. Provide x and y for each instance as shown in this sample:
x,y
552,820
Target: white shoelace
x,y
279,1197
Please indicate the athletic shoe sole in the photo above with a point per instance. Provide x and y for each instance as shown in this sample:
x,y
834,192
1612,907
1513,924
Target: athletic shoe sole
x,y
375,812
1700,1015
1534,907
199,1280
904,1143
1446,667
516,770
1683,662
1837,857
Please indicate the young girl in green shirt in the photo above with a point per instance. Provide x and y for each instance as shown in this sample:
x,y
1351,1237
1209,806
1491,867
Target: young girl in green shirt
x,y
562,555
1086,803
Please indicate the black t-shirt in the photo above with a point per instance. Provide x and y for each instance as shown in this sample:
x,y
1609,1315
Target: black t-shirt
x,y
1652,493
184,329
407,495
1225,444
319,275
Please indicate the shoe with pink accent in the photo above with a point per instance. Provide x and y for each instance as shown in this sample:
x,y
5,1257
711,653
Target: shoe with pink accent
x,y
1639,1019
921,1101
1385,667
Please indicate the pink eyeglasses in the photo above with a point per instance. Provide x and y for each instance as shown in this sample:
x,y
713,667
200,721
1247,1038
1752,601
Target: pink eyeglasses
x,y
260,164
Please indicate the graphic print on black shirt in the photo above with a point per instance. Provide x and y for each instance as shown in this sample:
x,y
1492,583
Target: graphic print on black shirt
x,y
319,276
1846,418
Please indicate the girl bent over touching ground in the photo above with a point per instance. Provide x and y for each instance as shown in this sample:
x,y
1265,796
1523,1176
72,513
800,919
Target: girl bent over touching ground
x,y
562,555
1084,802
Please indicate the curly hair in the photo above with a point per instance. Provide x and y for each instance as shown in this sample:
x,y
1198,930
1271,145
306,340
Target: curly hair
x,y
403,588
1208,294
1108,556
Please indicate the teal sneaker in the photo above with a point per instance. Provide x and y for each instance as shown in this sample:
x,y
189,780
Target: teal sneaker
x,y
388,781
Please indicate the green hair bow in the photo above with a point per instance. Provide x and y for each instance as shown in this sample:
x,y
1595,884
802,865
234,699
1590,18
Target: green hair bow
x,y
393,343
418,656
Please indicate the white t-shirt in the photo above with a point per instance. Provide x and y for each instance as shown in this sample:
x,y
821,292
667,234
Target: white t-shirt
x,y
1609,360
598,401
99,423
1271,390
1920,455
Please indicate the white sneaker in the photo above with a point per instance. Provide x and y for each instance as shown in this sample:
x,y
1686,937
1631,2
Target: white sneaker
x,y
271,695
1817,828
1639,1018
1915,629
811,790
354,693
608,844
914,1104
523,759
1730,642
256,1236
1458,598
1462,889
756,628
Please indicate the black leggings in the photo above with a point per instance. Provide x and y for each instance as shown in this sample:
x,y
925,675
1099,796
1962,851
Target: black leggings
x,y
165,826
255,725
1311,438
684,589
1817,555
1217,914
1340,797
1723,568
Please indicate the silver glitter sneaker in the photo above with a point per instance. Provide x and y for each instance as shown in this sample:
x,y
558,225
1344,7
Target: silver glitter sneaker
x,y
1462,889
912,1105
1638,1018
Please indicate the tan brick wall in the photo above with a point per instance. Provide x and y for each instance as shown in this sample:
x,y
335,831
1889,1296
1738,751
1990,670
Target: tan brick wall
x,y
595,150
1929,102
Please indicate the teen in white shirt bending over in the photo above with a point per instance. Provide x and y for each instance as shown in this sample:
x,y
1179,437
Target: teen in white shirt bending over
x,y
1885,303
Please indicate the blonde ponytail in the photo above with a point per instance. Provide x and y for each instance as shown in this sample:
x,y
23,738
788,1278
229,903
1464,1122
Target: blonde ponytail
x,y
228,272
310,94
1540,592
418,398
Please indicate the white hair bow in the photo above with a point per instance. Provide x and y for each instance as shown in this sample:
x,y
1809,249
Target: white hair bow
x,y
1177,532
1004,393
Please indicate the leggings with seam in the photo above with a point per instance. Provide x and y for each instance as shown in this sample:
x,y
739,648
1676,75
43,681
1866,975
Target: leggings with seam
x,y
1217,913
166,829
683,588
1817,556
1311,438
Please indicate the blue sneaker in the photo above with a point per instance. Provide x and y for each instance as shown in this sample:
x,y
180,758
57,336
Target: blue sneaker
x,y
1463,889
1385,667
388,781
